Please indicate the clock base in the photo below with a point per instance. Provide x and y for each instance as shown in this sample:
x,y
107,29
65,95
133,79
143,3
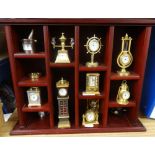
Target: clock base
x,y
90,93
123,73
92,64
64,123
62,57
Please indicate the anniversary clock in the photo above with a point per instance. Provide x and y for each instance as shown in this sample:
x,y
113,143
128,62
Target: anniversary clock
x,y
125,58
123,94
63,97
93,47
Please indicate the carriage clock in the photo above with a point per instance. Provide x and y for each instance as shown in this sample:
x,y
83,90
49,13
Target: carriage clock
x,y
125,58
90,117
93,46
92,84
63,97
34,97
123,94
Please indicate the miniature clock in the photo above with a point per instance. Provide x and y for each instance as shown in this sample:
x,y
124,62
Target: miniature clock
x,y
123,94
90,117
63,97
34,98
125,58
93,47
92,84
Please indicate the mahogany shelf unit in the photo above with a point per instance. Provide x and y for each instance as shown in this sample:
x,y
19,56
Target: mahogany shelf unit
x,y
110,31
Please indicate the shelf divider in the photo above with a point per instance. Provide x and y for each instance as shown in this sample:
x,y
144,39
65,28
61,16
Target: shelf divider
x,y
76,82
48,73
30,56
114,104
108,61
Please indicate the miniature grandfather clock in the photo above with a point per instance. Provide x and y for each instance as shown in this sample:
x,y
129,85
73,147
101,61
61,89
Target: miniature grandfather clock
x,y
62,86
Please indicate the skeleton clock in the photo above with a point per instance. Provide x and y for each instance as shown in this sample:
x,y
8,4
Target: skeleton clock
x,y
63,97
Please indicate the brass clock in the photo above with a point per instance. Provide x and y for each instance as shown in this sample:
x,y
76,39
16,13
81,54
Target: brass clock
x,y
123,94
92,84
90,117
125,58
63,97
93,47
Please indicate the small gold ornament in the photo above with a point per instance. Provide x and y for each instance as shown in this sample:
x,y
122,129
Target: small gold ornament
x,y
125,58
34,76
62,55
92,84
90,118
93,47
123,94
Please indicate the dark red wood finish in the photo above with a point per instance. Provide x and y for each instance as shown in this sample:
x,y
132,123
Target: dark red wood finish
x,y
29,122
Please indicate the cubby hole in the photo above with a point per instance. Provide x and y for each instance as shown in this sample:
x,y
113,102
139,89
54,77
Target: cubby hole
x,y
88,32
135,32
119,117
82,82
67,74
43,95
83,109
26,66
33,121
22,32
114,87
55,31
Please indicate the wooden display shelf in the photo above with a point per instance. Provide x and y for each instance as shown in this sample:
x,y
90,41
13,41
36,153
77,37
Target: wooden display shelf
x,y
35,55
44,107
62,65
96,69
110,31
131,76
101,96
114,104
26,82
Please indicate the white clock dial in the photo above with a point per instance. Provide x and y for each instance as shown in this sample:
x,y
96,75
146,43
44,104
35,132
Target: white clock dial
x,y
126,95
92,81
62,92
125,59
33,97
90,116
93,45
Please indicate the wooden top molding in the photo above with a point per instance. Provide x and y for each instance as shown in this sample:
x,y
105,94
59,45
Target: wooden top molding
x,y
107,21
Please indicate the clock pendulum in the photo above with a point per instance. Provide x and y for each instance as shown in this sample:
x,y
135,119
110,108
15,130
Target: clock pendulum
x,y
123,94
125,58
93,47
63,97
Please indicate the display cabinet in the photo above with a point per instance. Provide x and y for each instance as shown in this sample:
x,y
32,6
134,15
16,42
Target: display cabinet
x,y
112,117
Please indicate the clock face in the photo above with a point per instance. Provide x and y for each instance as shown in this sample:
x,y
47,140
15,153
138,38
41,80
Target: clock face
x,y
62,92
125,59
90,116
33,97
94,45
92,81
126,95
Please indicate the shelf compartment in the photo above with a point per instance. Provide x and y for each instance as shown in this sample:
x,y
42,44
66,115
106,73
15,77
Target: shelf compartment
x,y
36,55
99,68
132,76
101,96
114,104
27,82
62,65
44,107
